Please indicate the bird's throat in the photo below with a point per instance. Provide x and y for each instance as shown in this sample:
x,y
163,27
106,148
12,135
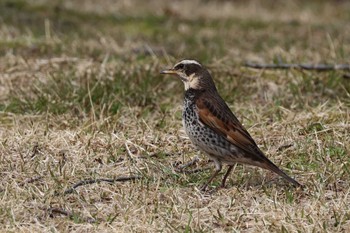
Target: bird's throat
x,y
191,82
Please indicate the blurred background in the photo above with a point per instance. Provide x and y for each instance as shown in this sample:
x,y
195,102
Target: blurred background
x,y
55,45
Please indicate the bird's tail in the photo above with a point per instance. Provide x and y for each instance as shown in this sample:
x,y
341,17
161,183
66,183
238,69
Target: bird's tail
x,y
272,167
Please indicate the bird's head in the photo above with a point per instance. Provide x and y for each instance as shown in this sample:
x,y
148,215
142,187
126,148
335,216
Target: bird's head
x,y
193,75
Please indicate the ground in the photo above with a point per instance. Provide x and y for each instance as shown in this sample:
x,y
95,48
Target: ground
x,y
81,98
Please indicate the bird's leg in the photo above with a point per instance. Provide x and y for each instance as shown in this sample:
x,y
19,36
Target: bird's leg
x,y
226,175
218,167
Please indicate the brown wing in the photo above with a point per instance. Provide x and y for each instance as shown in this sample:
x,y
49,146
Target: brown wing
x,y
217,116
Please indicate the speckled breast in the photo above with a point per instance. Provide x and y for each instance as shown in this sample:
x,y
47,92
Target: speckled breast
x,y
202,136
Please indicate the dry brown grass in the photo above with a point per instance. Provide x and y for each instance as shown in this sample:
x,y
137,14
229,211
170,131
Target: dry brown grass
x,y
81,98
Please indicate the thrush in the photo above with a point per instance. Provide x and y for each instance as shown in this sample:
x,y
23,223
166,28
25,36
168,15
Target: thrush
x,y
213,128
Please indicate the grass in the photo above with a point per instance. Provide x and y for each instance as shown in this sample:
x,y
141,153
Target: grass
x,y
82,98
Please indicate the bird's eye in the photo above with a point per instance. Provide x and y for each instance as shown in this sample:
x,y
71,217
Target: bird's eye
x,y
180,66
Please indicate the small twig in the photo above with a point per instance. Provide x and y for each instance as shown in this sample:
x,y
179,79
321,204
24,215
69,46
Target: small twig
x,y
31,180
187,172
35,150
192,162
181,169
285,146
92,181
347,76
317,67
27,181
70,215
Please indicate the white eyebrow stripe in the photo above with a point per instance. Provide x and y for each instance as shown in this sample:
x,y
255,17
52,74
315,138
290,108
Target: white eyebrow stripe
x,y
185,62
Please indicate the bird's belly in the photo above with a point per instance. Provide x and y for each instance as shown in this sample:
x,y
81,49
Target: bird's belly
x,y
207,140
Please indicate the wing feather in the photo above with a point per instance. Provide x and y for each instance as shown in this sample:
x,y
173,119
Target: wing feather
x,y
227,125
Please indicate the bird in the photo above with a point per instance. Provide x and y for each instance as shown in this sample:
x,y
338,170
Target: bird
x,y
213,128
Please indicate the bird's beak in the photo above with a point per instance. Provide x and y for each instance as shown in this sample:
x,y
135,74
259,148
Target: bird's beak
x,y
168,71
